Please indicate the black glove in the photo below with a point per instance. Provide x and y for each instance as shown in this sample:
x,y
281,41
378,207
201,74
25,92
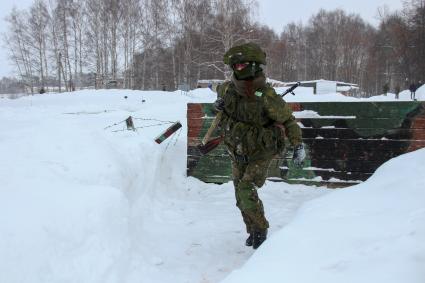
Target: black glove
x,y
219,104
299,155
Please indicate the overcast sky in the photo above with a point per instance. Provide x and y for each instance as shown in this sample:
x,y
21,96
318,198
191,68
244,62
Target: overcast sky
x,y
277,13
274,13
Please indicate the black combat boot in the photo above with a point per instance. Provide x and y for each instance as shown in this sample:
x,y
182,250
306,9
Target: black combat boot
x,y
249,240
258,238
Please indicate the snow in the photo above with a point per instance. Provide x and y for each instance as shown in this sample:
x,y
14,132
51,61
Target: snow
x,y
313,114
372,232
81,203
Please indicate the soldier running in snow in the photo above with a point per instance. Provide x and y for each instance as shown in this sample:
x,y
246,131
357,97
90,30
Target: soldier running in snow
x,y
254,120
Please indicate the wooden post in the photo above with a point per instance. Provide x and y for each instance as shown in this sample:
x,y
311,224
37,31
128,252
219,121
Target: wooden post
x,y
130,124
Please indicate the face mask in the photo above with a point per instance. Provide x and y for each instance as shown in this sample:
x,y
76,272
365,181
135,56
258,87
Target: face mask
x,y
244,71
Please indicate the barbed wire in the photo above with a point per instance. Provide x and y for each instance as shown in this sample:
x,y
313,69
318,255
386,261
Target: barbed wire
x,y
150,119
122,130
161,122
116,124
178,135
174,137
141,127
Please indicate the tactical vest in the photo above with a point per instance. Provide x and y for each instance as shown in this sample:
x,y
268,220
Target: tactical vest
x,y
247,129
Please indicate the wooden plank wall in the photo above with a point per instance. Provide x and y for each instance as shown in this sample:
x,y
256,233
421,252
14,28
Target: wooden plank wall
x,y
345,141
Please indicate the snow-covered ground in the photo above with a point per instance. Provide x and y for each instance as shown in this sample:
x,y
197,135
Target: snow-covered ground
x,y
372,232
81,203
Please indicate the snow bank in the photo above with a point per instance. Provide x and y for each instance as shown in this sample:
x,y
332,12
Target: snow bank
x,y
372,232
81,203
420,93
61,232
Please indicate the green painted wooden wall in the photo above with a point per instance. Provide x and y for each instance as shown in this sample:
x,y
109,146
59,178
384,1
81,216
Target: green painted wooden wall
x,y
345,141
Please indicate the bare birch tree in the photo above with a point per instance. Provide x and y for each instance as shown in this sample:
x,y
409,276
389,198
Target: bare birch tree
x,y
38,22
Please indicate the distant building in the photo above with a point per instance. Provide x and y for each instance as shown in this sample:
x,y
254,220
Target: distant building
x,y
114,84
276,83
325,86
318,86
211,84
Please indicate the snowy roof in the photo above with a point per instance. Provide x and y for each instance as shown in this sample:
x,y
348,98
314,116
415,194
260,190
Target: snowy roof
x,y
210,81
321,80
269,80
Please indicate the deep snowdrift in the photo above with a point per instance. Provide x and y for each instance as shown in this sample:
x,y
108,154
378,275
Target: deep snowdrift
x,y
80,203
372,232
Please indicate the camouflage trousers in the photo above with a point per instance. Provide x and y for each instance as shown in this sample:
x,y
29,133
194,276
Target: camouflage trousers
x,y
247,178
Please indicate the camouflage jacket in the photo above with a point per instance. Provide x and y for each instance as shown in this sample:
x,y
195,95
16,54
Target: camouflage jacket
x,y
251,122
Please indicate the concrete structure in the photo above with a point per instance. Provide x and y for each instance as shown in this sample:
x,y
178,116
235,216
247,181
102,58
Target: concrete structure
x,y
325,86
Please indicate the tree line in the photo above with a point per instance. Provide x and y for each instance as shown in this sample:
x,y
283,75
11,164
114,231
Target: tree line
x,y
161,44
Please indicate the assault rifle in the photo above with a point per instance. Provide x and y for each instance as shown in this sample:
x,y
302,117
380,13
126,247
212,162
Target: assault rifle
x,y
291,89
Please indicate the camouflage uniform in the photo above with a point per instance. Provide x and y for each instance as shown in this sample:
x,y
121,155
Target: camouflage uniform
x,y
253,120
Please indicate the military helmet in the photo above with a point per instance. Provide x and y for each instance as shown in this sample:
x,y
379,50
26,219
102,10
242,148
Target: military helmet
x,y
248,52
